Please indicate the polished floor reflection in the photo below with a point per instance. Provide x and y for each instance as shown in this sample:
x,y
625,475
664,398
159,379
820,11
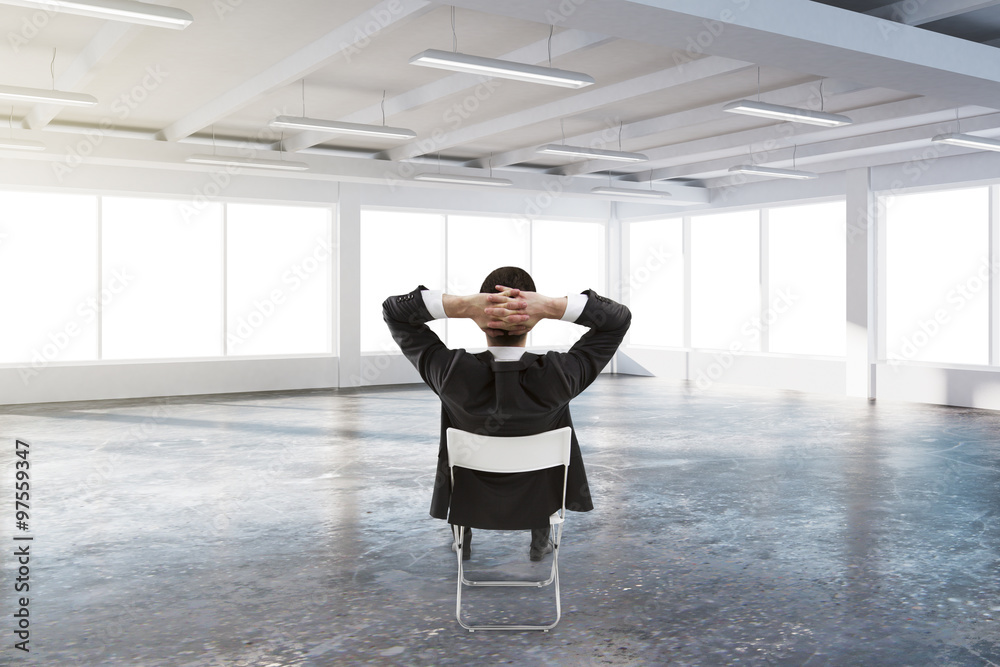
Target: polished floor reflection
x,y
732,526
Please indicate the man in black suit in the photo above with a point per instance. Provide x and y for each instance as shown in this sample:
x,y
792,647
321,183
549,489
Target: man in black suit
x,y
507,391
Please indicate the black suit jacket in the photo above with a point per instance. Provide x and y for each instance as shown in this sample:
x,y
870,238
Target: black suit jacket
x,y
507,398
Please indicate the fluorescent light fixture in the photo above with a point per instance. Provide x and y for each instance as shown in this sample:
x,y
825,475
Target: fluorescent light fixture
x,y
504,69
625,192
967,141
21,145
462,180
127,11
255,163
754,170
591,153
335,127
794,114
40,95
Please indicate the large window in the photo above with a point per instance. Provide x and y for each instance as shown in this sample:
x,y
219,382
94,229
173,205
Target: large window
x,y
279,266
937,275
807,288
399,250
454,253
566,258
85,278
804,274
656,282
168,268
725,281
49,299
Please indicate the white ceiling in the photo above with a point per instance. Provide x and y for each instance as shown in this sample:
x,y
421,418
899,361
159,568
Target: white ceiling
x,y
904,71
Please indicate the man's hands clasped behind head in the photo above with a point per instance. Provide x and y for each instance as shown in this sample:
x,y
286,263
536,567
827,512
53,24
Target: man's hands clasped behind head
x,y
509,312
515,312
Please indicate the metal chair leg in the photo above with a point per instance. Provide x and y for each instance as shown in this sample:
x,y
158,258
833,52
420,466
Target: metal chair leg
x,y
553,579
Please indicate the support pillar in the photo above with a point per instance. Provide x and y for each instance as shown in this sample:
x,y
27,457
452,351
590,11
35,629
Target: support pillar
x,y
862,285
349,284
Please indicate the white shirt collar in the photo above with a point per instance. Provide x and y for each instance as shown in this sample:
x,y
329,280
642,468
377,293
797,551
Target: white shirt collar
x,y
506,353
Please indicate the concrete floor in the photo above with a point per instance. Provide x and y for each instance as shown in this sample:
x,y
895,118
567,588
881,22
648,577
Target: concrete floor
x,y
732,527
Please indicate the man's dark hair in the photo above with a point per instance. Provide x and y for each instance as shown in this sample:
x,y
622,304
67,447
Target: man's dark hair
x,y
508,276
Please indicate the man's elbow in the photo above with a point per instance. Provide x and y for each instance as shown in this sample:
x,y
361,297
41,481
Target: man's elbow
x,y
387,311
626,319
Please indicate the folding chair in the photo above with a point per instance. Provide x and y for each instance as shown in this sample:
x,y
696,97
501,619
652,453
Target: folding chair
x,y
499,454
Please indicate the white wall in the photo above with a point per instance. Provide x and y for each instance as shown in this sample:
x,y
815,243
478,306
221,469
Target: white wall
x,y
706,368
113,379
969,386
864,371
70,381
926,383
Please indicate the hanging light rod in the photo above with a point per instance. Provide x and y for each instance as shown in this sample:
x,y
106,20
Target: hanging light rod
x,y
504,69
256,163
793,114
127,11
754,170
19,94
967,141
336,127
626,192
591,153
462,180
21,145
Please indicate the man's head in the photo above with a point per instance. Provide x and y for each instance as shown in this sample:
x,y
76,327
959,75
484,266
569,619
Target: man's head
x,y
508,276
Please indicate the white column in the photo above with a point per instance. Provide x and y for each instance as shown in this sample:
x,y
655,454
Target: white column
x,y
616,269
625,263
686,241
349,283
225,280
994,292
861,313
615,264
100,283
764,277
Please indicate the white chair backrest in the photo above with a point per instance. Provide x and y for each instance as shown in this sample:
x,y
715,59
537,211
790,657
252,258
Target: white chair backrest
x,y
520,453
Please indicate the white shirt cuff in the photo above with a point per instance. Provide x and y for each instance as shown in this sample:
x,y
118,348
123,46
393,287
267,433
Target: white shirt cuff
x,y
575,304
433,301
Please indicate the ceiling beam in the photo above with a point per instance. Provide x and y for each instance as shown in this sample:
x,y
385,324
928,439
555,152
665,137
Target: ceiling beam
x,y
441,138
507,158
107,44
815,156
391,14
563,43
871,121
802,94
915,159
805,94
910,12
816,38
141,155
